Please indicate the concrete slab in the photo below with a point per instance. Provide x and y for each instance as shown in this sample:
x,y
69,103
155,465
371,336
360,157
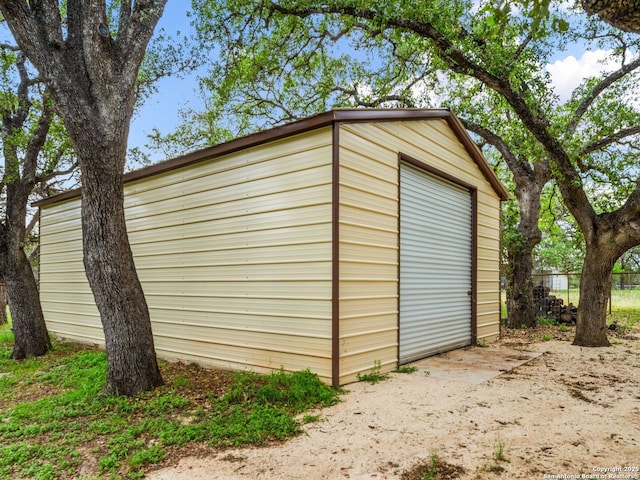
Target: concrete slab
x,y
473,365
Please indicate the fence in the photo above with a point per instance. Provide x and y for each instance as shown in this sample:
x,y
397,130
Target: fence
x,y
624,295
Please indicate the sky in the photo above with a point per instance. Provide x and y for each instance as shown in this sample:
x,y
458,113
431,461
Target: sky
x,y
160,111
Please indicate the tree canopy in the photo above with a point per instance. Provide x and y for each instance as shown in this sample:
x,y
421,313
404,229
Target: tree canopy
x,y
288,58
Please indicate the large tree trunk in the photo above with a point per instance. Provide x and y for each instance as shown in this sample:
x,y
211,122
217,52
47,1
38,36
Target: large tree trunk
x,y
624,14
91,68
108,260
595,287
530,181
29,328
520,307
3,304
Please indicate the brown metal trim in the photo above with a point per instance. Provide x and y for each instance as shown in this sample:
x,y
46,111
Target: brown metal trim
x,y
500,275
398,228
474,240
474,266
305,125
335,256
424,166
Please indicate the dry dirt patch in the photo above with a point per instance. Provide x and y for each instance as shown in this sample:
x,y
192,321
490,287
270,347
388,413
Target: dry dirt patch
x,y
567,412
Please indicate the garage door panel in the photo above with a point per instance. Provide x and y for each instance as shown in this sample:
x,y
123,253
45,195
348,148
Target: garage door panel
x,y
435,264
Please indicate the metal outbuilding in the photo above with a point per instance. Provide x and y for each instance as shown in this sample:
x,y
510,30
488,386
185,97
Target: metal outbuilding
x,y
346,240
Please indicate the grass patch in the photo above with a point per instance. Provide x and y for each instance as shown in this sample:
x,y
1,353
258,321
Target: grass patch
x,y
54,416
374,375
499,450
6,334
406,369
433,469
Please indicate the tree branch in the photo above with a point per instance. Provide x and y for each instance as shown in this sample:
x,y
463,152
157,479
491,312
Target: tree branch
x,y
31,225
35,253
535,121
597,90
611,139
48,175
521,168
37,140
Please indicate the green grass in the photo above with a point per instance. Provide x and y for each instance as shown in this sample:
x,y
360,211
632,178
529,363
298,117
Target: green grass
x,y
431,469
406,369
6,335
374,375
625,305
499,450
53,414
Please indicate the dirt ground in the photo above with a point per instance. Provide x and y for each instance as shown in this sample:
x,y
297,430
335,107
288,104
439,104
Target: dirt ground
x,y
572,412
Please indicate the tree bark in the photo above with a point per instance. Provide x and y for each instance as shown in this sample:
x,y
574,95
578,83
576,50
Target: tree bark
x,y
29,328
91,73
520,307
595,286
529,185
3,304
110,269
623,14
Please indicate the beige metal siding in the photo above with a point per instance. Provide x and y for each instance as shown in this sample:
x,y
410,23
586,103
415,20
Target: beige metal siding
x,y
234,256
368,217
488,291
368,226
64,292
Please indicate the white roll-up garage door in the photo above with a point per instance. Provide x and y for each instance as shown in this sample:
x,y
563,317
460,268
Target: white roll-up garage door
x,y
435,264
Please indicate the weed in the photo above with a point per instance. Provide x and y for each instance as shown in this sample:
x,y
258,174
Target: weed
x,y
482,343
152,454
546,322
546,337
52,409
431,471
311,419
374,376
499,450
563,328
406,369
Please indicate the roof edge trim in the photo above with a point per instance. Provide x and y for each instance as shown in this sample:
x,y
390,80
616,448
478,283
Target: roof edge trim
x,y
311,123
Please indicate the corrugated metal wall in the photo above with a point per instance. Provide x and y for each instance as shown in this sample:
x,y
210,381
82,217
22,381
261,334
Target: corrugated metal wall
x,y
235,254
435,264
234,257
368,226
369,217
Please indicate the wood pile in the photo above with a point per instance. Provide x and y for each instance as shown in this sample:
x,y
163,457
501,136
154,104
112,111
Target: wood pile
x,y
552,307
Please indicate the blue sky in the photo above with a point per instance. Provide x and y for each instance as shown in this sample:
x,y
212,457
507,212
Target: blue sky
x,y
161,110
